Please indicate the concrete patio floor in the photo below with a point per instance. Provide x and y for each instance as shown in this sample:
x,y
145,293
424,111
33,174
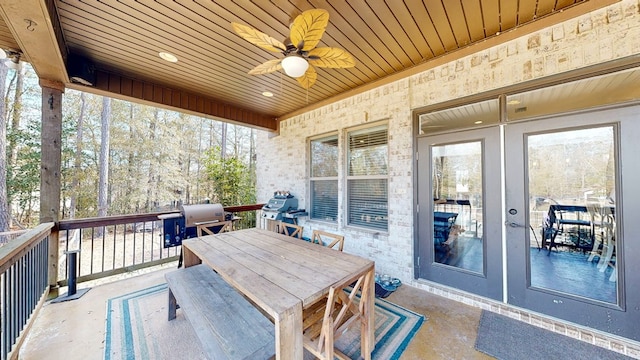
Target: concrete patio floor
x,y
75,329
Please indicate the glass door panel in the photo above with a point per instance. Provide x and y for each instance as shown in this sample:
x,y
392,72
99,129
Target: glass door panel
x,y
457,205
572,212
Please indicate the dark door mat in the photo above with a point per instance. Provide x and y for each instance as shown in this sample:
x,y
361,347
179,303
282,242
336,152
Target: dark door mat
x,y
509,339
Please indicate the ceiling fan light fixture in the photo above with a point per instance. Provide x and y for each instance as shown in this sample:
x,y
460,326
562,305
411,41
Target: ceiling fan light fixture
x,y
302,55
294,66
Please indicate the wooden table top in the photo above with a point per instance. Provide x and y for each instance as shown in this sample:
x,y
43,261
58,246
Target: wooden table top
x,y
273,270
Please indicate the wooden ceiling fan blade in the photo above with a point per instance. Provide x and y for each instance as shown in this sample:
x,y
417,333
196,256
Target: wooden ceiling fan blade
x,y
308,28
309,78
267,67
256,37
328,57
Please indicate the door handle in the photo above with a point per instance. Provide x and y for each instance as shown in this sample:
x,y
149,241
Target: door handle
x,y
514,224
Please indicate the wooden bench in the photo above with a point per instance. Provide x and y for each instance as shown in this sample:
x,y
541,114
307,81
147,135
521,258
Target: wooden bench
x,y
227,325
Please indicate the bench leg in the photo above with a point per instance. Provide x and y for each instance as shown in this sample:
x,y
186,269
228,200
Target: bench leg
x,y
172,306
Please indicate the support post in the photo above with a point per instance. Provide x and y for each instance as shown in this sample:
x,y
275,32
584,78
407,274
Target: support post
x,y
50,167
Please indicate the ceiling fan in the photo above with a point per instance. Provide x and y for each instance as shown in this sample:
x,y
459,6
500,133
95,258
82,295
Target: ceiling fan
x,y
299,49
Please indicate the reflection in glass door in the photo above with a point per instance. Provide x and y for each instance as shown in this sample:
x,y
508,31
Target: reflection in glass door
x,y
457,205
572,212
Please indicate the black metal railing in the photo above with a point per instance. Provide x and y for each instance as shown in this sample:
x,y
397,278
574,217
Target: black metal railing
x,y
118,244
24,278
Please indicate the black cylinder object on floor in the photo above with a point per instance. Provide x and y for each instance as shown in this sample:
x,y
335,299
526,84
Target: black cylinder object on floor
x,y
72,259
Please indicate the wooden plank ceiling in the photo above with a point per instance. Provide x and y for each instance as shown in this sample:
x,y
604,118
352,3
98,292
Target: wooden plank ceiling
x,y
122,39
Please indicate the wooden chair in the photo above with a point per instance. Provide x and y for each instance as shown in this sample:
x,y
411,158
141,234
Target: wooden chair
x,y
213,227
330,317
603,236
608,243
209,228
333,240
596,225
290,229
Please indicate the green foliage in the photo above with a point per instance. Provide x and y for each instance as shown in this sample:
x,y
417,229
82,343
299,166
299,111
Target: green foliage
x,y
156,159
23,136
23,177
231,179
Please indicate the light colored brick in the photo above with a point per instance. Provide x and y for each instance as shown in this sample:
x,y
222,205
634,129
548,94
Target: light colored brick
x,y
614,13
585,25
603,35
617,346
601,342
573,332
587,337
560,328
633,351
534,41
476,60
557,33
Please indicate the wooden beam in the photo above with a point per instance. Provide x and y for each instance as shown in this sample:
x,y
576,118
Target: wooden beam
x,y
143,92
35,27
44,83
50,165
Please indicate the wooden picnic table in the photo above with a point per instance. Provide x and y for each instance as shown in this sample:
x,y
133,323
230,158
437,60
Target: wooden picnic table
x,y
283,276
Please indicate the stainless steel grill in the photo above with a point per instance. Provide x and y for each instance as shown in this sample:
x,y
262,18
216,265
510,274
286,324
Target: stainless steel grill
x,y
282,207
178,227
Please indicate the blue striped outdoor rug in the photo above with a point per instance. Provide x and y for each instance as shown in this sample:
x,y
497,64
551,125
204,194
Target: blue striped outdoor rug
x,y
137,328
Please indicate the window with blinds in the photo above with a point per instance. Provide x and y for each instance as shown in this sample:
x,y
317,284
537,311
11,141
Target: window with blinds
x,y
367,178
324,179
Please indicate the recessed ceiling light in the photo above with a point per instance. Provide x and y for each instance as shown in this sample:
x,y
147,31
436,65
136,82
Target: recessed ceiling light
x,y
267,93
168,57
478,122
513,102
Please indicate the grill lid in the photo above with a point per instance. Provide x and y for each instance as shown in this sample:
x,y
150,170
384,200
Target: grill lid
x,y
194,214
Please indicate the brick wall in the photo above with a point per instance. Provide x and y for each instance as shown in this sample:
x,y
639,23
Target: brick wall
x,y
598,37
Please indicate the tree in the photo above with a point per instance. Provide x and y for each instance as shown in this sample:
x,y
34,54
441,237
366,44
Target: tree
x,y
232,182
23,119
4,206
154,158
151,182
16,114
77,164
103,182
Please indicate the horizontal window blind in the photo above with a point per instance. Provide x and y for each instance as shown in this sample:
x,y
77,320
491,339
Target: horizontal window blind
x,y
367,181
368,203
368,153
324,200
323,179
